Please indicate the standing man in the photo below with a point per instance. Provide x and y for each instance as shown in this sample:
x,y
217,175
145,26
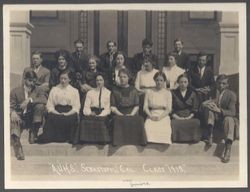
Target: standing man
x,y
202,78
42,73
221,110
79,58
107,60
27,105
182,58
146,54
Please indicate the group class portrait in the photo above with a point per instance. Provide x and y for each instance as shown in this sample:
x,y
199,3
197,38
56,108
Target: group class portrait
x,y
94,81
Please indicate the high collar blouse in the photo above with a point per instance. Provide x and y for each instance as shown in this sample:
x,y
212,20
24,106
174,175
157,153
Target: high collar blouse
x,y
92,100
172,74
145,79
60,95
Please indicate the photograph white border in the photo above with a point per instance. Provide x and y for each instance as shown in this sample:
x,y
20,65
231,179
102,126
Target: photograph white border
x,y
235,7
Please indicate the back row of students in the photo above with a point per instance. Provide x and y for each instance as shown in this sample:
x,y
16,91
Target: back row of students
x,y
107,89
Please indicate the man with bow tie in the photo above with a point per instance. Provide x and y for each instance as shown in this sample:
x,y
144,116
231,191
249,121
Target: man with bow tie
x,y
27,105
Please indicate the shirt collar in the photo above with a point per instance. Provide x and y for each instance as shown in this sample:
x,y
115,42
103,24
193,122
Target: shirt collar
x,y
183,91
123,67
67,87
26,89
201,69
37,68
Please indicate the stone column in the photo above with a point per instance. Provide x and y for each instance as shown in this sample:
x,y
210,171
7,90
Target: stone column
x,y
229,43
20,32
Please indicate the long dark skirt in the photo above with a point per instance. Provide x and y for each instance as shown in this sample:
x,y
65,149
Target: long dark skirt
x,y
186,130
59,128
128,130
94,129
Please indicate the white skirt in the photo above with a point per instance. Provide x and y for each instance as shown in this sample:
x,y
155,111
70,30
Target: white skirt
x,y
158,131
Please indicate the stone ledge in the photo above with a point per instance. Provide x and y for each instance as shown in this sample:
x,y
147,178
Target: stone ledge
x,y
192,168
182,149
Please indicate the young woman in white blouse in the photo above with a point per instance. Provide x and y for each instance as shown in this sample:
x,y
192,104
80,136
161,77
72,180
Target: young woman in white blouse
x,y
158,106
93,127
63,108
172,71
145,77
145,81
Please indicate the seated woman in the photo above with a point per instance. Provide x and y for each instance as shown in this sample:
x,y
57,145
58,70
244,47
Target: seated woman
x,y
157,106
185,127
88,78
172,71
119,64
93,127
145,77
63,108
144,81
128,127
63,59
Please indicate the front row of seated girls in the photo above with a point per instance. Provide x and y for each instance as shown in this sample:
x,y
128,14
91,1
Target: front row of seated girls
x,y
125,126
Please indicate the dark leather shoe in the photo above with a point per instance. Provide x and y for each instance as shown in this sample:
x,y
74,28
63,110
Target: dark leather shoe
x,y
18,150
32,137
210,141
20,155
227,154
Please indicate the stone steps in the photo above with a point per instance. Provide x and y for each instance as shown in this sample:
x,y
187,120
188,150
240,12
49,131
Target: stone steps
x,y
65,149
126,164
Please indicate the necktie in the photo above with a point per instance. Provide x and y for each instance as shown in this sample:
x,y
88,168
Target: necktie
x,y
200,71
100,96
111,59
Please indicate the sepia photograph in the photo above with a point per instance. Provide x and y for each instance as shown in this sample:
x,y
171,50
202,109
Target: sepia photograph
x,y
125,96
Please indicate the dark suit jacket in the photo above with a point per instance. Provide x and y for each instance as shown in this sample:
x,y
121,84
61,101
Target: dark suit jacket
x,y
228,108
79,64
17,96
228,103
43,76
206,80
105,63
138,61
182,61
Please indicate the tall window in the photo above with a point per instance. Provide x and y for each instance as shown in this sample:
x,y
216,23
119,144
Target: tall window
x,y
83,28
162,36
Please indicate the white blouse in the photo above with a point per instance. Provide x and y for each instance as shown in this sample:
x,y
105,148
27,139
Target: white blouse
x,y
145,79
63,96
161,98
172,74
92,100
